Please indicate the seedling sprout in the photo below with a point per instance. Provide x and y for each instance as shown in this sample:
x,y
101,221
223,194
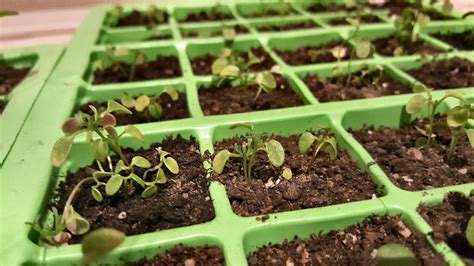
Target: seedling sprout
x,y
150,105
323,140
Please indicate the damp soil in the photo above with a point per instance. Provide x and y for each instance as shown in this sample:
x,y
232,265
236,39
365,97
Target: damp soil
x,y
321,183
319,7
136,18
355,245
339,89
446,74
160,68
171,110
365,19
287,27
184,200
203,65
185,255
229,99
270,12
3,105
413,169
462,41
10,77
212,33
301,55
449,221
395,7
386,46
207,16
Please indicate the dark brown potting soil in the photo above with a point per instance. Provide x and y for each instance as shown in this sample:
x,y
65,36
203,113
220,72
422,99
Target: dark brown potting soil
x,y
324,182
365,19
286,27
301,55
270,12
195,33
184,199
203,65
10,77
435,15
413,169
171,110
160,68
395,7
445,74
387,45
207,16
3,105
449,221
462,41
319,7
356,245
335,88
185,255
136,18
239,99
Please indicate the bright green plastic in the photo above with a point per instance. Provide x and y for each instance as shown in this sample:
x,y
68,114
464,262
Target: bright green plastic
x,y
28,178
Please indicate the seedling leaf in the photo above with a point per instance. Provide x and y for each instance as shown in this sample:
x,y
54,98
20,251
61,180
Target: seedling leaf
x,y
305,142
127,100
470,231
396,254
220,160
113,185
275,152
266,80
113,106
416,103
363,49
172,92
287,173
141,162
419,88
457,116
172,165
219,65
160,177
71,126
142,102
134,132
61,149
96,194
100,149
228,34
470,136
97,244
75,223
230,71
149,191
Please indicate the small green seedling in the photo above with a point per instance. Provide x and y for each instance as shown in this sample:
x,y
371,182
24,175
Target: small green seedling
x,y
322,140
373,73
230,67
470,231
98,243
396,254
152,16
408,25
112,56
150,105
248,150
457,119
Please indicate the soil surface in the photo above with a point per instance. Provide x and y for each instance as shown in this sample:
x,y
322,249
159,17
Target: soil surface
x,y
171,110
319,7
240,99
185,255
286,27
324,182
213,33
335,89
413,169
203,65
3,105
184,199
462,41
395,7
446,74
136,18
449,221
10,77
162,67
208,16
386,46
301,55
269,12
356,245
365,19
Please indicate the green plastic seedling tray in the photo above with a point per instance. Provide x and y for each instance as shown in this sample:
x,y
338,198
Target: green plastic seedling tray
x,y
41,60
28,178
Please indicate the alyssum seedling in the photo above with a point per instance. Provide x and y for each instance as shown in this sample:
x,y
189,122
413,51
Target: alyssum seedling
x,y
112,56
323,140
248,150
150,105
230,67
124,173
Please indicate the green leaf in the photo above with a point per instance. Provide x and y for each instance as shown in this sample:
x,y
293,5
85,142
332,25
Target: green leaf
x,y
398,51
354,22
113,185
266,80
160,177
363,49
97,244
230,71
121,51
149,191
134,132
244,125
120,166
455,95
75,223
100,174
416,104
422,19
140,162
252,59
218,65
100,149
140,58
419,88
287,173
127,100
330,147
172,92
96,194
142,102
470,136
396,254
115,107
457,116
8,13
275,152
155,110
306,140
228,34
172,165
470,231
220,160
137,179
61,149
71,126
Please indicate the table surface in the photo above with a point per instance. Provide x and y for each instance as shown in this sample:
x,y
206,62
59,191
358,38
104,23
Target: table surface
x,y
55,21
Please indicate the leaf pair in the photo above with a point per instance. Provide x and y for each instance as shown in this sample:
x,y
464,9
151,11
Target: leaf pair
x,y
320,142
149,104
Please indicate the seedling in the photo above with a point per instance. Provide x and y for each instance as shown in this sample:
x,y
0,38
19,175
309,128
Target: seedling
x,y
470,231
153,15
457,119
396,254
98,243
322,140
230,67
150,105
248,150
113,54
371,72
408,26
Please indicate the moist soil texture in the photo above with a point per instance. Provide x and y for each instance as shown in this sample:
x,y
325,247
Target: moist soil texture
x,y
386,46
162,67
414,169
462,41
302,55
10,77
365,19
171,110
211,33
229,99
323,182
208,16
203,65
136,18
286,27
3,105
356,245
319,7
270,12
338,89
449,221
446,74
395,7
185,255
182,201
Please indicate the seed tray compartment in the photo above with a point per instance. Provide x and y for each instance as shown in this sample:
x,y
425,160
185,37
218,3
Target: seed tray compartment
x,y
28,162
